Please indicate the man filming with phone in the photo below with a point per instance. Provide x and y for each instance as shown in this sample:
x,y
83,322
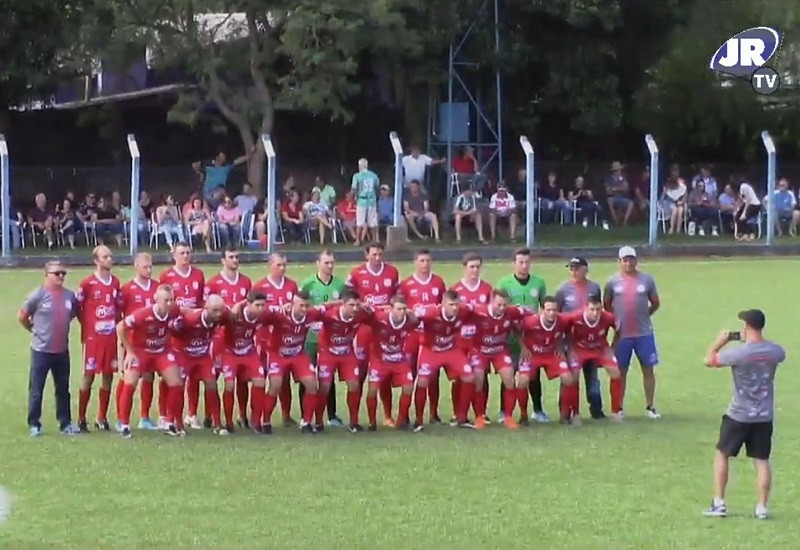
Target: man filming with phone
x,y
748,421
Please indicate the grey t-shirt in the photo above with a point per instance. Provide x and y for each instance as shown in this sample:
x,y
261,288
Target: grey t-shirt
x,y
51,312
572,297
416,203
753,366
630,297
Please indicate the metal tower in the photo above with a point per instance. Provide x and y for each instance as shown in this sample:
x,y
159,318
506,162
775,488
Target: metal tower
x,y
472,113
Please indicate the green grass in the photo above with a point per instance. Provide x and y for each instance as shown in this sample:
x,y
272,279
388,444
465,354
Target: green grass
x,y
641,484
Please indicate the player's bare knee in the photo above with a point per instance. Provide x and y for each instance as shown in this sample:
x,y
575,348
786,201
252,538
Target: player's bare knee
x,y
310,384
353,386
523,381
613,373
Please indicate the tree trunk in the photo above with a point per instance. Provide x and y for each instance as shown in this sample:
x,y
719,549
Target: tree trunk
x,y
256,166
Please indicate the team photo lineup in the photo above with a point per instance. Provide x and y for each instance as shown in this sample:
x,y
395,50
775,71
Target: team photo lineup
x,y
369,329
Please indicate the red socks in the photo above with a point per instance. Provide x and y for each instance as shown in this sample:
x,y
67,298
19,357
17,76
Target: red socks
x,y
105,398
478,401
309,405
570,400
616,395
212,406
269,406
146,398
118,394
509,396
465,397
256,405
522,398
385,392
286,398
322,402
175,406
420,396
126,403
227,404
241,397
433,394
163,391
83,404
353,404
193,394
372,409
405,406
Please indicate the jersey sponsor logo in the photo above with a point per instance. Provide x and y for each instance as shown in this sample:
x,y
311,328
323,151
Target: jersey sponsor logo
x,y
103,311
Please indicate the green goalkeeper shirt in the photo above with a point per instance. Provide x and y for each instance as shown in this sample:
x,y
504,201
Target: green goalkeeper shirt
x,y
321,293
528,293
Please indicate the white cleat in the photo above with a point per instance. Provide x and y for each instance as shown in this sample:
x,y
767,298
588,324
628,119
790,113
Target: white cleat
x,y
653,413
616,417
761,512
192,422
162,423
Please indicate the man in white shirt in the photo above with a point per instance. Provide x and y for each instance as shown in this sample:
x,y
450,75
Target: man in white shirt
x,y
747,215
502,205
414,165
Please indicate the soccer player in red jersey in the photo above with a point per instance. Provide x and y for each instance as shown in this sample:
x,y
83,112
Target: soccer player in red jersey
x,y
472,290
439,348
388,359
340,322
144,339
588,339
98,297
543,338
241,359
279,290
193,332
232,286
493,324
376,282
423,288
137,293
188,284
287,355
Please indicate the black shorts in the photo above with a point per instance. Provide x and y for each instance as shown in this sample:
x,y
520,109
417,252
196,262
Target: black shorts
x,y
755,436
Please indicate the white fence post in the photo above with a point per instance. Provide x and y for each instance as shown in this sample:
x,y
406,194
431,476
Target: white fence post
x,y
652,228
530,191
136,169
272,209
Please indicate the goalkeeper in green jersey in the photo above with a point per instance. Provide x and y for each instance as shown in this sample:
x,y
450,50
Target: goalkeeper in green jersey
x,y
323,287
525,290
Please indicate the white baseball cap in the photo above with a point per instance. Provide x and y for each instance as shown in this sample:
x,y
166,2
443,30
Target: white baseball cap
x,y
627,252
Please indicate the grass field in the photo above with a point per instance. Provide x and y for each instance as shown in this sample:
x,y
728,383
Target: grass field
x,y
641,484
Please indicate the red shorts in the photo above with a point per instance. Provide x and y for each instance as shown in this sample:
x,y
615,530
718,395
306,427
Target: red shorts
x,y
241,367
454,362
217,343
553,366
412,345
100,356
361,342
146,362
199,368
482,361
398,373
603,357
300,366
346,365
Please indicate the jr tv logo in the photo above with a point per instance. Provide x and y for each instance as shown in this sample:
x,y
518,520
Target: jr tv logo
x,y
744,55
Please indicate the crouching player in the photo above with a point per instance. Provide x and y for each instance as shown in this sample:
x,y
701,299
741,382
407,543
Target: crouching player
x,y
588,342
440,349
388,361
542,346
144,339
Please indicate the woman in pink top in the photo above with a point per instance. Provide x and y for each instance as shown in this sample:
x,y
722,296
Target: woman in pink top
x,y
229,219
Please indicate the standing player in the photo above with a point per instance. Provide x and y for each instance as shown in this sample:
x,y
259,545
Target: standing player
x,y
136,294
632,296
588,342
388,359
188,285
98,296
144,339
439,348
287,355
493,325
471,291
571,296
321,288
232,286
193,332
376,283
526,290
423,288
279,290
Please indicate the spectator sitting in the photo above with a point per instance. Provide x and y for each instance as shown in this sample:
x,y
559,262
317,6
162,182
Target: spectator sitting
x,y
216,199
262,217
70,196
327,193
108,222
466,167
385,206
618,194
673,200
503,206
229,221
551,199
293,219
710,182
417,209
125,213
68,222
749,210
198,221
288,187
146,205
703,211
40,219
785,208
466,206
585,205
347,212
728,203
415,164
317,214
247,200
169,221
641,191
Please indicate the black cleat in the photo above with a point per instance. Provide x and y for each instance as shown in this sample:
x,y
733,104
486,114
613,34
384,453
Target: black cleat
x,y
266,429
355,428
372,428
102,426
418,427
467,425
404,427
307,429
524,421
434,419
126,433
598,415
171,431
207,423
83,427
319,428
230,429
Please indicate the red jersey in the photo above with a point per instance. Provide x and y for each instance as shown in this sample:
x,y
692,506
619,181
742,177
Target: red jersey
x,y
239,333
188,287
97,302
472,295
148,331
388,339
337,335
542,340
375,288
277,295
491,333
288,336
419,292
192,333
440,333
134,296
230,290
584,335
